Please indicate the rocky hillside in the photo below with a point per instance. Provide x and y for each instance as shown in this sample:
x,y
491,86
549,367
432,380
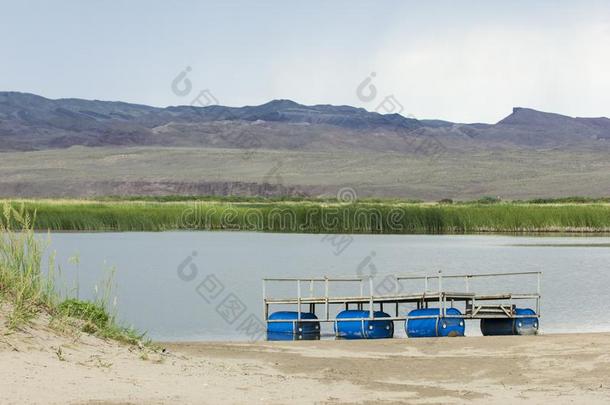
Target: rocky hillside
x,y
31,122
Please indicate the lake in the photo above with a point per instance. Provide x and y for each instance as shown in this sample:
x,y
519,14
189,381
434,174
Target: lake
x,y
161,278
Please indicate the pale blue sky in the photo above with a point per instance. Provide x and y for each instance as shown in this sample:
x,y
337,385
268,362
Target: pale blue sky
x,y
463,61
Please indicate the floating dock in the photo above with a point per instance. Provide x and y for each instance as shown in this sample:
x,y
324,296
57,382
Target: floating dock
x,y
425,291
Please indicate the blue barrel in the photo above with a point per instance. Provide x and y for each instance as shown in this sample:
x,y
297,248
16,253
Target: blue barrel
x,y
364,329
511,326
292,326
434,326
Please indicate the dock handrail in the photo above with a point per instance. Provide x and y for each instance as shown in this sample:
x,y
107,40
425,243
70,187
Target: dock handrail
x,y
441,296
468,277
336,278
515,273
402,277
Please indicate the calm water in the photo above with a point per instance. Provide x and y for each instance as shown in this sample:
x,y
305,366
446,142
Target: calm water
x,y
159,276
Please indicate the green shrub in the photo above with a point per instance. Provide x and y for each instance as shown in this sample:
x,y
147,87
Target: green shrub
x,y
489,200
86,311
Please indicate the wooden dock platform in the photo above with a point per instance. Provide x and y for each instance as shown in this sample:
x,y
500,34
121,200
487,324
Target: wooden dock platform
x,y
471,304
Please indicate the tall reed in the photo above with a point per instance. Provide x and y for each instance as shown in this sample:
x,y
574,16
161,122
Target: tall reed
x,y
26,290
22,283
319,217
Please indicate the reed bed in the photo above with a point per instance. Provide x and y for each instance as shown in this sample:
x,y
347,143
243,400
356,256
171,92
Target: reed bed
x,y
22,283
318,216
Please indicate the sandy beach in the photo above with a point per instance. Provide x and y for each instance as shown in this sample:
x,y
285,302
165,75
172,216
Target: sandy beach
x,y
39,366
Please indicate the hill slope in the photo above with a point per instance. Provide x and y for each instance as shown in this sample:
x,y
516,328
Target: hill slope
x,y
86,148
30,122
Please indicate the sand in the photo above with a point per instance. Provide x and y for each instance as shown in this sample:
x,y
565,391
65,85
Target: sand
x,y
39,366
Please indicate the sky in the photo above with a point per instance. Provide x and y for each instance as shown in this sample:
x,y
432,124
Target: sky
x,y
466,61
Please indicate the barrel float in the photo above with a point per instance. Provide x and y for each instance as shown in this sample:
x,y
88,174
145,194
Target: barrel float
x,y
292,326
434,326
363,329
511,326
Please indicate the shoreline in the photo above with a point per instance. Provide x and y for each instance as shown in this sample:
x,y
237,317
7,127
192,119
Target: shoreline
x,y
330,338
557,234
39,366
229,340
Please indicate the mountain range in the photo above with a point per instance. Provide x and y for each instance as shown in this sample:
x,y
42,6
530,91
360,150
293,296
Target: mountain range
x,y
83,148
29,122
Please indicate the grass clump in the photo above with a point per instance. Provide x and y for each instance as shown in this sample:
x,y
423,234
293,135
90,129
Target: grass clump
x,y
94,315
28,291
96,320
22,283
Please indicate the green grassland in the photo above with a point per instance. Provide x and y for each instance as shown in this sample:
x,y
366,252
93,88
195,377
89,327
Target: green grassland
x,y
318,216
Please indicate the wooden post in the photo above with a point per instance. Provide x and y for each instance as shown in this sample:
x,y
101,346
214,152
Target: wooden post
x,y
299,300
441,307
266,312
326,298
371,309
265,305
538,291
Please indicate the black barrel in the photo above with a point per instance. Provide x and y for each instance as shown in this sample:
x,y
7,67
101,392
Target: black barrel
x,y
511,326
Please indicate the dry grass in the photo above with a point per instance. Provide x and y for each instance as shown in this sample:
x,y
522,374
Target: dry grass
x,y
510,174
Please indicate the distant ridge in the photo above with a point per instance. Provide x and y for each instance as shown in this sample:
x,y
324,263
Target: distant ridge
x,y
31,122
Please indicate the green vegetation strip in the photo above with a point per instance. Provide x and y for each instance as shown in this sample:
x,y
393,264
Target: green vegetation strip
x,y
317,216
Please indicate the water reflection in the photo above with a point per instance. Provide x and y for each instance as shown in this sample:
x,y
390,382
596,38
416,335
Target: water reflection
x,y
277,336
